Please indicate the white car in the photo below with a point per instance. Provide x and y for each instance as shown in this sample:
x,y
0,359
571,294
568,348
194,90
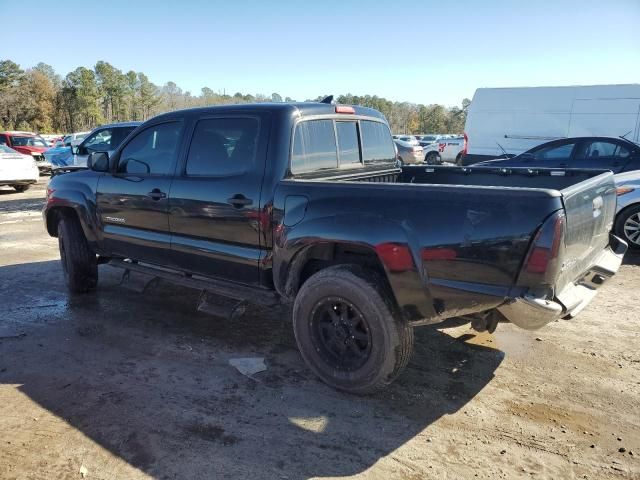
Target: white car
x,y
445,149
17,170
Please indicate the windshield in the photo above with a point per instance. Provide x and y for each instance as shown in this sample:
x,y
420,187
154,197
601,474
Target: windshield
x,y
28,142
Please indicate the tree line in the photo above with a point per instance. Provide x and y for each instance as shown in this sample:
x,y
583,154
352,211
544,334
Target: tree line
x,y
38,99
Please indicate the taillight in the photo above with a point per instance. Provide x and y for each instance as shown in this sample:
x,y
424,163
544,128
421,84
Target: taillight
x,y
465,143
396,257
345,109
544,252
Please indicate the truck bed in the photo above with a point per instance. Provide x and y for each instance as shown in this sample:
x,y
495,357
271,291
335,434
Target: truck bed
x,y
469,230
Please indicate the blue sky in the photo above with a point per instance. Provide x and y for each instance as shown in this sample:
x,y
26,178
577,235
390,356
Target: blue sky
x,y
417,51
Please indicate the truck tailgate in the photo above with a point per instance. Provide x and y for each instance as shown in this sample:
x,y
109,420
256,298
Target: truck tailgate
x,y
590,208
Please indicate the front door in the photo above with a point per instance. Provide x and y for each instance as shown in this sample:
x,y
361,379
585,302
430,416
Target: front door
x,y
133,200
214,214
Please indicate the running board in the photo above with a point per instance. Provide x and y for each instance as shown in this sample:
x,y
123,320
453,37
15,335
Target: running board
x,y
236,291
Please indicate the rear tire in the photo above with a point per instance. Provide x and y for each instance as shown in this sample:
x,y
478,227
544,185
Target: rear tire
x,y
432,158
627,226
459,159
21,188
347,333
79,263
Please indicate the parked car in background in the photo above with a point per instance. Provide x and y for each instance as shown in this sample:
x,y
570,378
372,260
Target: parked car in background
x,y
27,143
627,222
428,139
409,151
609,153
408,139
517,119
51,138
74,138
105,138
17,170
445,149
59,155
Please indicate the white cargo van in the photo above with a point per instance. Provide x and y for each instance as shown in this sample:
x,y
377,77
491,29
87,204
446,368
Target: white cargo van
x,y
517,119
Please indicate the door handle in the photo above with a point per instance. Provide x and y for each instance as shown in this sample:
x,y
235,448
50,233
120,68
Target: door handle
x,y
156,194
239,201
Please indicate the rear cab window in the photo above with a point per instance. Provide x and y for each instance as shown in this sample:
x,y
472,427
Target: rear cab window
x,y
338,143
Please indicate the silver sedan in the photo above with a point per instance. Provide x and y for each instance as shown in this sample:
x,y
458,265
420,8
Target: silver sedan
x,y
627,223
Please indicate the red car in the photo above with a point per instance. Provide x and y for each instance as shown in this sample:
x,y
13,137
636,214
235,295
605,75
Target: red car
x,y
29,144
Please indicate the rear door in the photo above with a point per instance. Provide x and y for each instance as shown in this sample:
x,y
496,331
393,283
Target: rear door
x,y
133,200
215,216
602,154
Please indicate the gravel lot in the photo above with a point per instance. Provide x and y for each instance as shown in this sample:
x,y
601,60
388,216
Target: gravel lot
x,y
124,384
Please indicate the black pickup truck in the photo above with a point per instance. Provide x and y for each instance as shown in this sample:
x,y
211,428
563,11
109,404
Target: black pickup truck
x,y
305,203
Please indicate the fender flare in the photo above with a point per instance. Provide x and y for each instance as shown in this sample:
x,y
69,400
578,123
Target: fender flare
x,y
408,285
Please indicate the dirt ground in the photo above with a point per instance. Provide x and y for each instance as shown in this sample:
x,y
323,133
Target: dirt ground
x,y
128,385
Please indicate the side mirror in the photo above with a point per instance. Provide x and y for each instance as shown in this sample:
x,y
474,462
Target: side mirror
x,y
74,149
98,162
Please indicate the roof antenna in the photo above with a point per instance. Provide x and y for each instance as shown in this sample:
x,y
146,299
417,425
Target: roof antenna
x,y
327,100
625,135
504,152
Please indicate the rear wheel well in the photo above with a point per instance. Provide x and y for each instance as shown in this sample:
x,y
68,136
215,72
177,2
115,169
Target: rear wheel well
x,y
55,215
325,255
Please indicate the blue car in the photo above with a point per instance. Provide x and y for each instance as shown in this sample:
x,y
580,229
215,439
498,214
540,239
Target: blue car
x,y
59,156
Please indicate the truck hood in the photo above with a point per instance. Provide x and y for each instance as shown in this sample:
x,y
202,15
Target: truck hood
x,y
29,150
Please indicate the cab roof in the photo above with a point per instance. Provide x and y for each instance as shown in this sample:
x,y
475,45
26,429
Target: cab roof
x,y
303,109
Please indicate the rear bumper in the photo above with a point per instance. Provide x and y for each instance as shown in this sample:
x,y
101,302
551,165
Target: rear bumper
x,y
413,158
530,312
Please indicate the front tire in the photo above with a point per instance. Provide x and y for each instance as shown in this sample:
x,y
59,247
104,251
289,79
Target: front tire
x,y
21,188
79,263
432,158
347,333
627,226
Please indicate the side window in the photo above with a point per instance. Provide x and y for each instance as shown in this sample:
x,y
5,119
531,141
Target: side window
x,y
153,151
314,146
554,152
377,145
98,142
605,149
348,147
3,140
222,146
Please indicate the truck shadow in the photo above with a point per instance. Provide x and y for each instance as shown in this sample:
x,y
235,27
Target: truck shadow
x,y
146,377
632,257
